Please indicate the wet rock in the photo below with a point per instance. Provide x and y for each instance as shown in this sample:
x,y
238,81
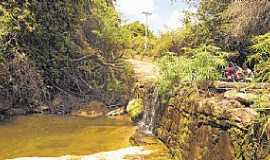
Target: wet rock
x,y
62,110
142,139
41,109
17,111
117,112
2,117
91,110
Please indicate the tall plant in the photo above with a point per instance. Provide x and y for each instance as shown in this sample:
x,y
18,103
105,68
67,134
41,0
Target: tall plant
x,y
261,57
202,66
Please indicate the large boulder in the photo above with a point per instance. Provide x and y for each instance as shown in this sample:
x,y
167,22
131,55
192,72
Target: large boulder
x,y
244,98
243,115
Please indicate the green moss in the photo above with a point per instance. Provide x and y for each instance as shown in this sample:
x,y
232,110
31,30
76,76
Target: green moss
x,y
135,107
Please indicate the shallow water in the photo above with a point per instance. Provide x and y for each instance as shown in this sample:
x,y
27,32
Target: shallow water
x,y
39,135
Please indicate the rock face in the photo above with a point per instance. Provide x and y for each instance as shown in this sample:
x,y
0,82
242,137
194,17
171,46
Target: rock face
x,y
198,127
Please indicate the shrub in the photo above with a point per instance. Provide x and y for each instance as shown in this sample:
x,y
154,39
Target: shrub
x,y
260,57
135,108
76,46
202,66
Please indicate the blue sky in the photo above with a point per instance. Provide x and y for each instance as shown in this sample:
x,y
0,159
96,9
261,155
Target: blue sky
x,y
166,15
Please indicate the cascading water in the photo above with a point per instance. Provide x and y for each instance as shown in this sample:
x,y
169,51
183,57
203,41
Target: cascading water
x,y
151,110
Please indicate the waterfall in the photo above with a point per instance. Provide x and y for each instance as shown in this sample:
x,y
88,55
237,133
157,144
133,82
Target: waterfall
x,y
151,110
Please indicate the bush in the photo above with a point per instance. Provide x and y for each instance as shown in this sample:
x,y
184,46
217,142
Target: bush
x,y
75,46
202,66
135,108
260,57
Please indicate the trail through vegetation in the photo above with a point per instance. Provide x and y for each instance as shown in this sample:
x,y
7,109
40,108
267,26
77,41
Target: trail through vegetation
x,y
144,70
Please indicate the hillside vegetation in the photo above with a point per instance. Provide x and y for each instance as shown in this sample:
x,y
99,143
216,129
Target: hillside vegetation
x,y
65,47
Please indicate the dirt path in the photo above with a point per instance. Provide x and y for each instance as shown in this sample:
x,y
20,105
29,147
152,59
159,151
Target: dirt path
x,y
144,71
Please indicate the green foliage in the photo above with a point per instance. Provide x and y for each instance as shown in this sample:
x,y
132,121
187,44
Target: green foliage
x,y
192,35
110,36
201,66
262,101
163,43
253,143
39,31
225,23
136,29
247,18
174,41
76,45
135,107
136,39
260,57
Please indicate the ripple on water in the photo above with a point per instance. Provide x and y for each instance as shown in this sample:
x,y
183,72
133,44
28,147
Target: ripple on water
x,y
121,154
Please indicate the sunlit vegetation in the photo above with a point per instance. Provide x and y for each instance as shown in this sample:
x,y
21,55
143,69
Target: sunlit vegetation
x,y
200,65
260,57
135,32
135,108
214,26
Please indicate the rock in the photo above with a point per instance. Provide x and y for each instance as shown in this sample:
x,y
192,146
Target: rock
x,y
2,117
139,138
237,85
41,109
243,98
58,101
243,115
17,111
62,110
93,109
117,112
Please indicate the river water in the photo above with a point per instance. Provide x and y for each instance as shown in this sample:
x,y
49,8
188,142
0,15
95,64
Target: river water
x,y
54,136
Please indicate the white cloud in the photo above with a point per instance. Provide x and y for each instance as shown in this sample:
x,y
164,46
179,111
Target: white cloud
x,y
131,10
175,20
135,7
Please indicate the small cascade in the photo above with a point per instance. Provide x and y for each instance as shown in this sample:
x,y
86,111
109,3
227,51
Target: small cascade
x,y
151,110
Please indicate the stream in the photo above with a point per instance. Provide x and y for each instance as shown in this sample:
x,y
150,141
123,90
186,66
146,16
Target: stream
x,y
58,136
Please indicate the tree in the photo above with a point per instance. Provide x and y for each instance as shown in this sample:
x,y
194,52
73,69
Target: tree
x,y
136,33
75,45
136,29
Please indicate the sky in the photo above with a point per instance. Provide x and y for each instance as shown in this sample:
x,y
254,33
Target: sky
x,y
165,14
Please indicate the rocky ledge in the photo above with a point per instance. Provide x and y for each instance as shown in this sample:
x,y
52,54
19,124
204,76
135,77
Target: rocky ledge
x,y
206,126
